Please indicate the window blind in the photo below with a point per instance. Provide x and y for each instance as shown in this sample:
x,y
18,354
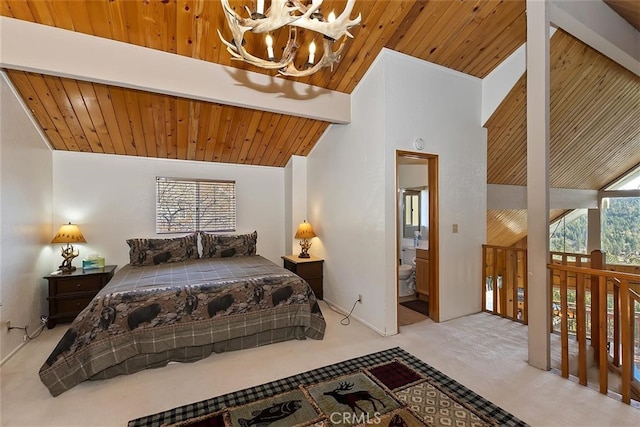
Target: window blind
x,y
186,205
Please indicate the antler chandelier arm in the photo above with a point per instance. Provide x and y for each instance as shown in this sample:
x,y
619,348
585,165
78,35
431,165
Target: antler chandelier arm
x,y
329,57
296,15
336,29
239,26
278,15
242,55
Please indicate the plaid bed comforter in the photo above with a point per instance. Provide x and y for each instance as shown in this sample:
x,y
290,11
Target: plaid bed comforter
x,y
147,316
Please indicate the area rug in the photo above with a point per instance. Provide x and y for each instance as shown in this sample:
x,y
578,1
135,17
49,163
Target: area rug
x,y
417,305
387,388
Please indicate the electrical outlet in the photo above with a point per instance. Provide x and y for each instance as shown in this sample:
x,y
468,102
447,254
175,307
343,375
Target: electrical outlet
x,y
360,298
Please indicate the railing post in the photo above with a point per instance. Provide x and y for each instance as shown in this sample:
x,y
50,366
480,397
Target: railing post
x,y
597,262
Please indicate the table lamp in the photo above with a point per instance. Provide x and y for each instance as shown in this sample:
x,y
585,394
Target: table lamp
x,y
305,232
68,233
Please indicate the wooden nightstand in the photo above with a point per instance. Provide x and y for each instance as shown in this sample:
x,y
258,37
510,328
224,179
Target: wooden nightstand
x,y
310,269
70,293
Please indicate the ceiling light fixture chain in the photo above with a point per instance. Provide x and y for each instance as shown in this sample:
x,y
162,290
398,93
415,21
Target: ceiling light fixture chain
x,y
294,14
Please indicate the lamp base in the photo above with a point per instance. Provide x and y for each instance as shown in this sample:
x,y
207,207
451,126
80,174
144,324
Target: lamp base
x,y
305,244
68,255
65,269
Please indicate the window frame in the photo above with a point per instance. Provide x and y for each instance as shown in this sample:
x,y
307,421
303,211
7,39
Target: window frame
x,y
198,200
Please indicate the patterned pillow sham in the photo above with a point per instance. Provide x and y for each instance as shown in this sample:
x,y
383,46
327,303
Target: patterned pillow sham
x,y
222,246
161,251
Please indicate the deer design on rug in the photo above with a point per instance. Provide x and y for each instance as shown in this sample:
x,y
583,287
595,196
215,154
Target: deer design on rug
x,y
352,399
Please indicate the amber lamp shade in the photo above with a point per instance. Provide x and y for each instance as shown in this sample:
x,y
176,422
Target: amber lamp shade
x,y
305,232
69,234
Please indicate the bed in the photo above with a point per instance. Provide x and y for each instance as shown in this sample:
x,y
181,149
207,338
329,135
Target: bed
x,y
151,314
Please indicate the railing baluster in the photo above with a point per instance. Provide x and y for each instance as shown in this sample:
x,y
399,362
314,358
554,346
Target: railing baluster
x,y
581,329
525,284
626,306
616,325
564,326
513,284
514,269
494,279
484,278
504,312
596,263
602,334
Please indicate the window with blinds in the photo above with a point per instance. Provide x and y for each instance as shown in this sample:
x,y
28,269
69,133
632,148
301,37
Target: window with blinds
x,y
186,205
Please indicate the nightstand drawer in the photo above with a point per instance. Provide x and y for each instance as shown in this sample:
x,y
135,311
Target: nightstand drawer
x,y
80,284
72,305
309,270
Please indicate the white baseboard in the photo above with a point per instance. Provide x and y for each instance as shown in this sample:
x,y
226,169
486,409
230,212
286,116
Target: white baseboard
x,y
341,310
19,347
15,350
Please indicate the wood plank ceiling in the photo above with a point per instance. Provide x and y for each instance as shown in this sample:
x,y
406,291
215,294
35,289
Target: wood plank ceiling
x,y
595,130
595,111
471,36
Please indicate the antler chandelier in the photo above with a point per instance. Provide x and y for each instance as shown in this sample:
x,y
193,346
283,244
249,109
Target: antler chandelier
x,y
295,15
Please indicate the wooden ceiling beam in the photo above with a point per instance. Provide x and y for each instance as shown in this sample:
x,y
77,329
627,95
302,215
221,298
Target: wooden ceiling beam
x,y
49,50
598,26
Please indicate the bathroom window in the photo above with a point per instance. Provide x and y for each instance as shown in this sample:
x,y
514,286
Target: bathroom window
x,y
411,215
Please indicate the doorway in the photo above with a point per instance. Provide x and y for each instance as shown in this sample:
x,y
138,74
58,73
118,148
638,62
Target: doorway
x,y
418,216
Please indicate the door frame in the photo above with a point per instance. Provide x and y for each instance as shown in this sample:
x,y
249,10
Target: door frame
x,y
434,227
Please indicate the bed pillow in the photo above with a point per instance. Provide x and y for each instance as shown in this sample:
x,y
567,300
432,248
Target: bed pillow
x,y
222,246
161,251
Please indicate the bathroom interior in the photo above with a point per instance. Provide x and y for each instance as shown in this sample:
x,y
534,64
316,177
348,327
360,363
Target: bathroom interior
x,y
413,244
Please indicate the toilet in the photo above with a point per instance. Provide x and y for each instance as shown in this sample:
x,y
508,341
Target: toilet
x,y
406,270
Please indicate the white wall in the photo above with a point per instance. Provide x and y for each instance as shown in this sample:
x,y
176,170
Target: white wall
x,y
25,218
112,198
352,186
295,194
413,176
346,203
444,108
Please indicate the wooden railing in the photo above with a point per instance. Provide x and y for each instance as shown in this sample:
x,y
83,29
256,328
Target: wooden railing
x,y
504,279
596,259
578,260
595,305
600,284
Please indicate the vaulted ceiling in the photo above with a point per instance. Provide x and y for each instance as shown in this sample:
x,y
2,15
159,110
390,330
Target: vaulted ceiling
x,y
595,110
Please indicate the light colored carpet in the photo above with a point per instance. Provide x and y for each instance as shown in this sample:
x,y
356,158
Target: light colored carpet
x,y
485,353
